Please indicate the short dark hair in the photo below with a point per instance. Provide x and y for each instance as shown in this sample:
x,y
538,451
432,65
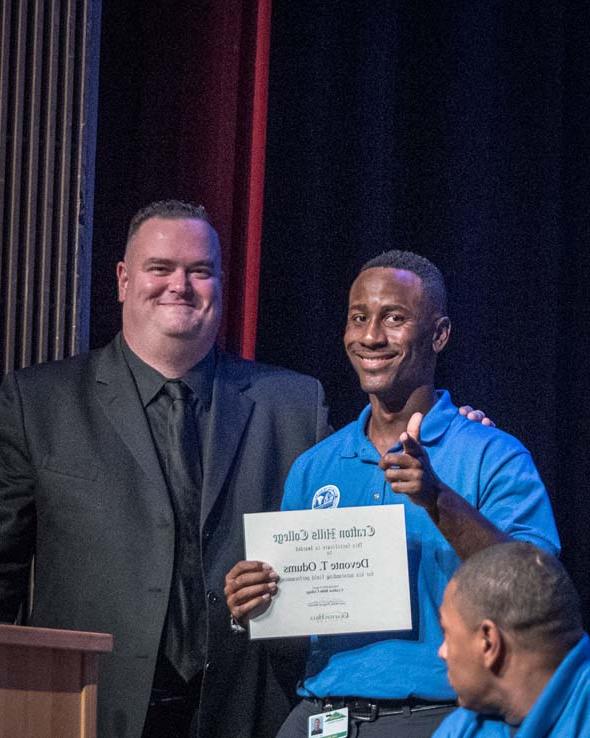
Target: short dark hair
x,y
173,209
524,590
431,276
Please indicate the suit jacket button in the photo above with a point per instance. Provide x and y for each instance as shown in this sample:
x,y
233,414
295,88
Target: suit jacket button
x,y
209,667
212,597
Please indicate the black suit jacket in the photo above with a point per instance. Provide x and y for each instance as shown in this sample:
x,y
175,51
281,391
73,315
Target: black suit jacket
x,y
81,488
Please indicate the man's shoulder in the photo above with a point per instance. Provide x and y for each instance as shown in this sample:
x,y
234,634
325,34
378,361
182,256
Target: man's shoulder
x,y
327,449
58,372
263,377
257,369
477,436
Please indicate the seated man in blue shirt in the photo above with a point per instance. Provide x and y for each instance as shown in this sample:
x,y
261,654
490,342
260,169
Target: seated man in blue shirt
x,y
514,647
464,486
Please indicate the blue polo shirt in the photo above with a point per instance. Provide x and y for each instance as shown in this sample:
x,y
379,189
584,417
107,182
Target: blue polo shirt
x,y
489,468
561,711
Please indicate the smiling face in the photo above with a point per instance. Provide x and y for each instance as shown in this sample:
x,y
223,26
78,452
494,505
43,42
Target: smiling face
x,y
170,284
393,333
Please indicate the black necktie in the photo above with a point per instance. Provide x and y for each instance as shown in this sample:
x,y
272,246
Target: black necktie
x,y
183,469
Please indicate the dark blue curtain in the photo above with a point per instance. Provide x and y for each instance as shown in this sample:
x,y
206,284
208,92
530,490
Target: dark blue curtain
x,y
459,130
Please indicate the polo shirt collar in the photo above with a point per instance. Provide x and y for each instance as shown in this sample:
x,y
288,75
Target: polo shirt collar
x,y
558,690
434,426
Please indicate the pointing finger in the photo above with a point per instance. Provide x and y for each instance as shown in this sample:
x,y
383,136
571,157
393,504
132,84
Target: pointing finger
x,y
410,445
414,424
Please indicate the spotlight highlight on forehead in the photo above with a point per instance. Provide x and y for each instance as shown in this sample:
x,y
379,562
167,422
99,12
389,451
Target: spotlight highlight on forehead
x,y
430,275
152,224
405,285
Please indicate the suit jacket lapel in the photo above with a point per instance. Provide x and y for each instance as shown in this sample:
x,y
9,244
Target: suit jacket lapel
x,y
120,401
230,410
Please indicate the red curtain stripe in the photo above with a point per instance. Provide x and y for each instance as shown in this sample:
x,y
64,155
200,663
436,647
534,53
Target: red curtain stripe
x,y
249,314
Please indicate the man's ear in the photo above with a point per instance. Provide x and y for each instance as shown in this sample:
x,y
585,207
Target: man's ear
x,y
122,280
442,332
492,645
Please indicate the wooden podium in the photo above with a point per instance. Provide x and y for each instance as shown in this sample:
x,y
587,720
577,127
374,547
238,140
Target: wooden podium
x,y
48,681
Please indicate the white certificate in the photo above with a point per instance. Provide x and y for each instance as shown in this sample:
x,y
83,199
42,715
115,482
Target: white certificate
x,y
343,570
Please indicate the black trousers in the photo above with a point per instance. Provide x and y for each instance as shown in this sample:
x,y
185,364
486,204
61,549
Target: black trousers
x,y
168,721
408,724
174,703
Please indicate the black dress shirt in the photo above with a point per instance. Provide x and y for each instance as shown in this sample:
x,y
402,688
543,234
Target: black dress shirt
x,y
149,384
156,403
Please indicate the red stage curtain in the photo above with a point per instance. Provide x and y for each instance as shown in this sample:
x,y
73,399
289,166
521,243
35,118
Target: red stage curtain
x,y
182,114
223,136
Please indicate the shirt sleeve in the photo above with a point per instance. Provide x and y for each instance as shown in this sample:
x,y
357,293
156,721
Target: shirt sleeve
x,y
513,497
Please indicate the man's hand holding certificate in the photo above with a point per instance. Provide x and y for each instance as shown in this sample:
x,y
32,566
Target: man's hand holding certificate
x,y
322,571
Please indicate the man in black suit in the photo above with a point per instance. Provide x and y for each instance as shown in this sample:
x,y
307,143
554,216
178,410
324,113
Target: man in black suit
x,y
131,533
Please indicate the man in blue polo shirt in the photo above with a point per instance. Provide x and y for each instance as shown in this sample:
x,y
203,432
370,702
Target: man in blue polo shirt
x,y
514,647
464,486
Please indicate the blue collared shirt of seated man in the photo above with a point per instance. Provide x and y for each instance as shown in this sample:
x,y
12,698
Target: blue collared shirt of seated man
x,y
514,647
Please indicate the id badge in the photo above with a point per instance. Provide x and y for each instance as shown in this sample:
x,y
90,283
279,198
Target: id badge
x,y
332,724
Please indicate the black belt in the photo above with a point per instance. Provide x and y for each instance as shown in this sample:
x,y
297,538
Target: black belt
x,y
369,710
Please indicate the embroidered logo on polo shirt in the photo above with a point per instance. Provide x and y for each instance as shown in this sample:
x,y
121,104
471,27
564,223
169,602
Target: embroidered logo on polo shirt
x,y
326,497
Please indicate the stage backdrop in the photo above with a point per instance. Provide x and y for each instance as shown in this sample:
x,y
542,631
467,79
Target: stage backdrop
x,y
459,130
